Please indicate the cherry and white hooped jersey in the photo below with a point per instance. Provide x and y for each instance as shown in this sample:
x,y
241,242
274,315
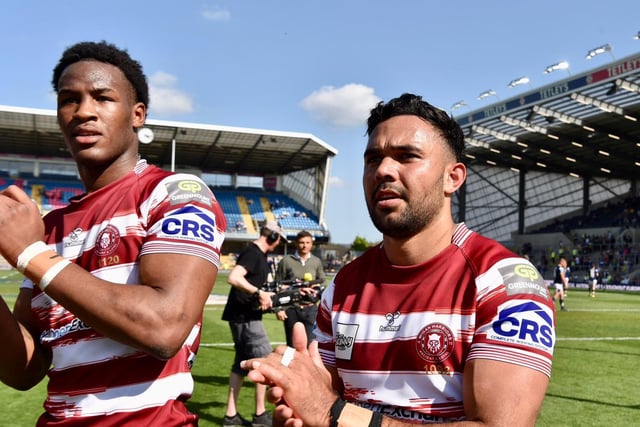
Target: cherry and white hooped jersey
x,y
400,336
95,380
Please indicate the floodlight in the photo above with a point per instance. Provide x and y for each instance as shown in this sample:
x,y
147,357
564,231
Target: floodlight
x,y
519,81
458,105
562,65
637,36
598,50
486,94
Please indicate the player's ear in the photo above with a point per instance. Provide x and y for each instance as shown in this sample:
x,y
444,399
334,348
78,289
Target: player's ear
x,y
139,113
454,176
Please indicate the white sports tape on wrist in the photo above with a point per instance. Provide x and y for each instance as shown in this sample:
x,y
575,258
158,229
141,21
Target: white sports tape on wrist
x,y
34,249
51,273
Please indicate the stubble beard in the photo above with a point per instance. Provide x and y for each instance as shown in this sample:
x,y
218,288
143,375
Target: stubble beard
x,y
412,219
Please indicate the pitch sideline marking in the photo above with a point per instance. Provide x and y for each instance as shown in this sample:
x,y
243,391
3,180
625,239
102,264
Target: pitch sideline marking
x,y
230,344
598,339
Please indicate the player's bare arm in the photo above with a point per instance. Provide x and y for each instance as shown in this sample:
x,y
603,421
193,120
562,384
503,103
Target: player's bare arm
x,y
502,394
156,317
23,362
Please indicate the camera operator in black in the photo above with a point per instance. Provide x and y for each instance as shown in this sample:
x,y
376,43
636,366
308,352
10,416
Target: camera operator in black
x,y
245,319
304,266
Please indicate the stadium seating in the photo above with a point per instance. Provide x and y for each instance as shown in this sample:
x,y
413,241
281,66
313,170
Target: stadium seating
x,y
49,194
245,208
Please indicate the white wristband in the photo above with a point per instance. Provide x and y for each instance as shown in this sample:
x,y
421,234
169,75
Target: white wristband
x,y
52,273
34,249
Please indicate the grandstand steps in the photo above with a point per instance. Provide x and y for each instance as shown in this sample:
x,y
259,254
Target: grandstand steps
x,y
266,207
246,214
37,190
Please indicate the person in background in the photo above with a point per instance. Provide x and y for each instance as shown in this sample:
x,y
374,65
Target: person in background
x,y
306,267
560,282
593,279
244,308
116,282
437,324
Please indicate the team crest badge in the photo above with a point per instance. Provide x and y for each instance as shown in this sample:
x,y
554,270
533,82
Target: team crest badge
x,y
107,241
435,343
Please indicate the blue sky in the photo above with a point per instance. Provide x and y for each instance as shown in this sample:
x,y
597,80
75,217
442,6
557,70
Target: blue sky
x,y
315,67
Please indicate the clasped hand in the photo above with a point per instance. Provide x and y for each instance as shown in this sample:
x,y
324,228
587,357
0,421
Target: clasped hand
x,y
300,386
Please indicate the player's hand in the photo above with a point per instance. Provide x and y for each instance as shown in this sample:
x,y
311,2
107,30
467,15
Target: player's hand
x,y
20,223
300,388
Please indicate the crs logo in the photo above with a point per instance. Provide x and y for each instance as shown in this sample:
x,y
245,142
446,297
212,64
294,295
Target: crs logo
x,y
526,271
190,186
190,223
528,324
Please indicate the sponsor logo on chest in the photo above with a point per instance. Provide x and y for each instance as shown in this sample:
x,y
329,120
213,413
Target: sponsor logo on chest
x,y
345,338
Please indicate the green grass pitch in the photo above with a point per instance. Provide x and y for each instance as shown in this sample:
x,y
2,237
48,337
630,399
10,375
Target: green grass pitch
x,y
595,379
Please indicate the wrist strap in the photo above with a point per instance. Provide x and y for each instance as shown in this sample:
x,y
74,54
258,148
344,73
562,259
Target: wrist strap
x,y
335,411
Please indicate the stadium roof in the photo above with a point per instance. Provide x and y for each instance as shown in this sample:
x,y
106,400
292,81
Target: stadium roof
x,y
586,125
209,148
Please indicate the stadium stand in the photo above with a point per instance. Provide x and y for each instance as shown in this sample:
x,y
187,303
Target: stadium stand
x,y
247,208
291,166
49,194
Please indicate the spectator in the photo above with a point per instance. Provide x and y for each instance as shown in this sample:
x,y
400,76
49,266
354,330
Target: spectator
x,y
304,266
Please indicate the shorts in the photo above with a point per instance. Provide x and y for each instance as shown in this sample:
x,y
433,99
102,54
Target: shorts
x,y
250,340
558,287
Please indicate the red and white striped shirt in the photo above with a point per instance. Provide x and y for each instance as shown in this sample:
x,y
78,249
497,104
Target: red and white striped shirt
x,y
400,336
93,379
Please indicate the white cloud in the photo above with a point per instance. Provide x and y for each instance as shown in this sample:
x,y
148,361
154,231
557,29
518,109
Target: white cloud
x,y
346,106
335,181
165,98
213,14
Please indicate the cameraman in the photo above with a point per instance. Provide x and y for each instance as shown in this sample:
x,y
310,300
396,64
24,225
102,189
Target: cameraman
x,y
245,319
305,266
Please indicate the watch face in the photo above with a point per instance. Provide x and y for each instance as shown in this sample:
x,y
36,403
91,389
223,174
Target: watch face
x,y
145,135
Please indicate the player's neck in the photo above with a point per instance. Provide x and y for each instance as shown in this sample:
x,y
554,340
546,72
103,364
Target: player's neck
x,y
422,246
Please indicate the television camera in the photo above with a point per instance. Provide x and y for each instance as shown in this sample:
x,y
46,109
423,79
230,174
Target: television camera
x,y
294,293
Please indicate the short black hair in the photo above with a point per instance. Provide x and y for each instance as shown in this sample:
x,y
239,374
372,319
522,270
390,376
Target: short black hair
x,y
410,104
302,234
110,54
